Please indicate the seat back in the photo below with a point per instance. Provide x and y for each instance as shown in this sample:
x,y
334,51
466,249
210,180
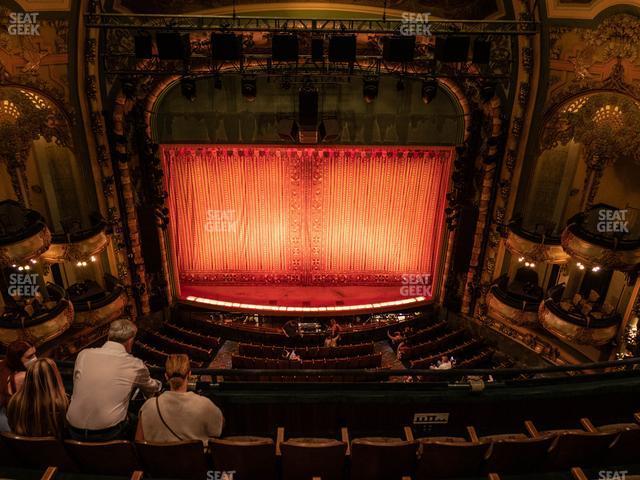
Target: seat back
x,y
117,458
382,458
624,448
447,460
173,460
577,449
518,455
304,458
248,457
39,452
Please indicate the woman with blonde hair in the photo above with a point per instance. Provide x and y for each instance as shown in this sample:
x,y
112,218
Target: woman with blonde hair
x,y
39,408
178,414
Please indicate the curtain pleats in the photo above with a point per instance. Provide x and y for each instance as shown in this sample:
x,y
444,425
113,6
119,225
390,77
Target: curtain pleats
x,y
305,215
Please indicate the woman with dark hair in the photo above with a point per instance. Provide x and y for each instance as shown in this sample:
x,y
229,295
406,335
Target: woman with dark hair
x,y
40,407
20,354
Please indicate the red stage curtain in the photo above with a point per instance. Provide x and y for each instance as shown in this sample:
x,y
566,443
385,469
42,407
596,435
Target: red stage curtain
x,y
321,216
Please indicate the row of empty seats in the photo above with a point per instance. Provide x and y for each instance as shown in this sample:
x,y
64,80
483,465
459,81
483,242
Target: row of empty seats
x,y
174,345
361,361
460,351
307,353
370,458
434,344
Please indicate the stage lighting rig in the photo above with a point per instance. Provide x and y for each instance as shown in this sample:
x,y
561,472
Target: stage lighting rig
x,y
249,88
429,90
188,88
370,89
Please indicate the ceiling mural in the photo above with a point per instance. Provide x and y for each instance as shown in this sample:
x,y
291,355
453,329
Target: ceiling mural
x,y
38,60
452,9
580,58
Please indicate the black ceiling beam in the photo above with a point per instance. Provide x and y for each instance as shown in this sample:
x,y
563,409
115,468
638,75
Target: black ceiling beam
x,y
317,26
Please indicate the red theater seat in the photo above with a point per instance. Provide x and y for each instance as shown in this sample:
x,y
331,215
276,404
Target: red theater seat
x,y
382,458
304,458
438,459
184,460
117,458
250,457
39,452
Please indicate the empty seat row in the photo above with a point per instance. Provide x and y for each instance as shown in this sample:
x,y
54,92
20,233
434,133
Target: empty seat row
x,y
448,338
370,458
428,332
155,356
272,351
361,361
173,345
190,336
426,362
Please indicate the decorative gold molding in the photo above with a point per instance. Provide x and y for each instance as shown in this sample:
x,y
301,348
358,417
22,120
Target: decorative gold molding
x,y
537,251
508,314
74,251
571,332
26,249
581,11
596,255
107,313
43,332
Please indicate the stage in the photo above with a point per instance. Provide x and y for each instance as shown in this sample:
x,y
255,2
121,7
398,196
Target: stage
x,y
321,229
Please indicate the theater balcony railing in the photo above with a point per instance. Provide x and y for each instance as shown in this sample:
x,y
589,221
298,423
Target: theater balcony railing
x,y
566,321
37,322
95,305
508,306
79,245
537,247
602,236
23,234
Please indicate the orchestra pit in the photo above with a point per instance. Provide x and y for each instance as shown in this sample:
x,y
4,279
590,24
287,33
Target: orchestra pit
x,y
352,240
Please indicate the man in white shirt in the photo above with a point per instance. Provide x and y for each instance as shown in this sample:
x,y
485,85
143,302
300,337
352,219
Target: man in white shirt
x,y
103,381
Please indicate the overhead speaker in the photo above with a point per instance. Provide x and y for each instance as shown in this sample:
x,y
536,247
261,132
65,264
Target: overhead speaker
x,y
173,46
308,106
452,49
481,51
143,46
284,47
226,47
317,49
399,48
342,48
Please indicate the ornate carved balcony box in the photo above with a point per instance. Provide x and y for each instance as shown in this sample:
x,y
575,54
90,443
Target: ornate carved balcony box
x,y
569,324
533,246
23,234
76,246
508,307
603,236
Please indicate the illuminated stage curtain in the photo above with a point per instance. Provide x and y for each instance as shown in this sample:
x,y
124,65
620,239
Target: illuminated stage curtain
x,y
305,216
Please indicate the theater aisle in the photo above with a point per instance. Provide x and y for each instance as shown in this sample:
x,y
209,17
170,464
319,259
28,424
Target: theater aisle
x,y
223,357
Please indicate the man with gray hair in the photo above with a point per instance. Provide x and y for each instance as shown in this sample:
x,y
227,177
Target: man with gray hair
x,y
103,381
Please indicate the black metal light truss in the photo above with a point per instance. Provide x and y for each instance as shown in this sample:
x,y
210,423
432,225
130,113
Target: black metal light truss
x,y
201,65
317,26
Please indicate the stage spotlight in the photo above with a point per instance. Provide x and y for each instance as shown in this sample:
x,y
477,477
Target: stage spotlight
x,y
429,90
370,89
487,91
249,88
188,88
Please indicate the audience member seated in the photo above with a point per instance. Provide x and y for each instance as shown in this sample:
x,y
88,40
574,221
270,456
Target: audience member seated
x,y
291,355
403,348
445,363
20,354
103,380
39,408
334,328
331,341
179,415
395,337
